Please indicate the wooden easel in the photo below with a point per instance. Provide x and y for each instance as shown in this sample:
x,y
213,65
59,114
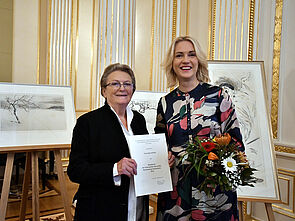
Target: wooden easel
x,y
268,207
32,165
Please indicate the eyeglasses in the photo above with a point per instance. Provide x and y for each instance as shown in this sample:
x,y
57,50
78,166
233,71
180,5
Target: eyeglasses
x,y
117,85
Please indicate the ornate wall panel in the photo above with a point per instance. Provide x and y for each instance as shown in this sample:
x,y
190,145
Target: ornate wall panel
x,y
113,37
233,29
60,47
60,42
276,67
287,184
165,27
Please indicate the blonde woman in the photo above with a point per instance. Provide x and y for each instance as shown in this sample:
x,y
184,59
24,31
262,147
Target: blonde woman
x,y
194,108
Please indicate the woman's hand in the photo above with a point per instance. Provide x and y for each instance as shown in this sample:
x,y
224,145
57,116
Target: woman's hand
x,y
127,166
171,159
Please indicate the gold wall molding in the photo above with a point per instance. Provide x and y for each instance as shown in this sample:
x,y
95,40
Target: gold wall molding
x,y
75,46
113,40
289,209
152,45
61,42
174,19
276,67
211,29
38,43
164,28
284,149
60,51
187,17
232,33
251,29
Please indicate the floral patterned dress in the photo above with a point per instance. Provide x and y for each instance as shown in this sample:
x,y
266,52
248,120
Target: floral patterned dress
x,y
205,111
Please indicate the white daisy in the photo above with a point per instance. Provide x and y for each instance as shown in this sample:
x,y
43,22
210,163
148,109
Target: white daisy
x,y
230,164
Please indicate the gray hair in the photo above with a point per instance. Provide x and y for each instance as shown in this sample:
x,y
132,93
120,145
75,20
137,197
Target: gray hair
x,y
116,67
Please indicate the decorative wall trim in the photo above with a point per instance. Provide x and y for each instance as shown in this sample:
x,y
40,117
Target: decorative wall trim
x,y
232,29
38,43
92,56
284,149
76,49
187,16
152,45
113,36
165,27
251,29
276,67
209,30
174,19
60,48
287,208
213,30
49,39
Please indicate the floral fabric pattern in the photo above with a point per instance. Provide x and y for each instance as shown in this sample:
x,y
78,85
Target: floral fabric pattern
x,y
206,111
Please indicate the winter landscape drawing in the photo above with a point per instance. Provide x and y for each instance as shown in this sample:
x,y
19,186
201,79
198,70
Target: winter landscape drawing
x,y
30,112
146,103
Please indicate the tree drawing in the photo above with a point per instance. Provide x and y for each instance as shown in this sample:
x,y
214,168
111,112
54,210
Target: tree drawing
x,y
13,104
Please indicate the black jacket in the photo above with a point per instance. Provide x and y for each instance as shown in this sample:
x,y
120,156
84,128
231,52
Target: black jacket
x,y
98,143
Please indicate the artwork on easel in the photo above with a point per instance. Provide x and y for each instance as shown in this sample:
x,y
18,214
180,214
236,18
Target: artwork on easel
x,y
245,82
35,115
146,103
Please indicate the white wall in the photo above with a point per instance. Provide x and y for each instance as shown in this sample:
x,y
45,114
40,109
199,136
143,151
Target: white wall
x,y
25,41
5,40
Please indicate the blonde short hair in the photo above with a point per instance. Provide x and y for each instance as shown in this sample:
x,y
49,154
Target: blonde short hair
x,y
202,72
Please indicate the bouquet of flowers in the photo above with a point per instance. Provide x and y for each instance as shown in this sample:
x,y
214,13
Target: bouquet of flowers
x,y
219,162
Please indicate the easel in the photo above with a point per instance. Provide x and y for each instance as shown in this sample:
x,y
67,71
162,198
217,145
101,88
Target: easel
x,y
268,208
32,165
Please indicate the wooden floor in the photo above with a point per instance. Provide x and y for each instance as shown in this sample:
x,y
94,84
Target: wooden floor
x,y
50,200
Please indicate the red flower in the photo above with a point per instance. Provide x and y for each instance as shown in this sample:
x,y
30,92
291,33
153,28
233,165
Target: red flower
x,y
208,146
198,215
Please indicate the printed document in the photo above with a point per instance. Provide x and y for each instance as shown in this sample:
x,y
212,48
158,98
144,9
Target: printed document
x,y
153,171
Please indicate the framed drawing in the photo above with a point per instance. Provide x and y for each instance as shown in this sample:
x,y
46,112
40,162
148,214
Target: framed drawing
x,y
245,82
35,115
146,103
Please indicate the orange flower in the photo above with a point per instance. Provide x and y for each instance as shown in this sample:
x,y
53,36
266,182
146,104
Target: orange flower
x,y
223,139
212,156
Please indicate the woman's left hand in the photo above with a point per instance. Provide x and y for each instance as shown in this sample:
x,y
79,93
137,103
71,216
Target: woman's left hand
x,y
171,159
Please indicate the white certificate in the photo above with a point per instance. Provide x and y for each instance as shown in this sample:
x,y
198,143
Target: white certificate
x,y
153,171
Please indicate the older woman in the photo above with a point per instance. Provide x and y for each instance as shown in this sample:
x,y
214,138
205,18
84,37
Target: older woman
x,y
193,108
100,160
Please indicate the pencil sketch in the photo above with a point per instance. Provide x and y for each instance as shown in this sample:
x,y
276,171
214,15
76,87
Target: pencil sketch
x,y
146,103
244,83
244,99
27,112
